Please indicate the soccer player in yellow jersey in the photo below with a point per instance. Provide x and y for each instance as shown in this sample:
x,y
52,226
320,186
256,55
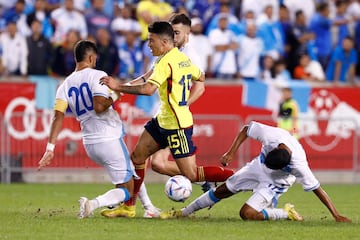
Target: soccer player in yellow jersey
x,y
173,126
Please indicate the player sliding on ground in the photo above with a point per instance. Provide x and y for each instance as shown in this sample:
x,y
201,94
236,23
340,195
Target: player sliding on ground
x,y
281,161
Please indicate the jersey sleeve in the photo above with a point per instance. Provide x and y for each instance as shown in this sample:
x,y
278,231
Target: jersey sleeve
x,y
195,72
256,131
97,88
305,176
61,102
161,72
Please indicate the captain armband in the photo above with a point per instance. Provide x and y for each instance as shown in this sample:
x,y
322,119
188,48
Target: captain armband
x,y
60,105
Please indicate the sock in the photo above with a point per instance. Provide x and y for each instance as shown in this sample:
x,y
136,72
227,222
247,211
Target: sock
x,y
140,171
110,198
213,174
274,213
144,197
206,200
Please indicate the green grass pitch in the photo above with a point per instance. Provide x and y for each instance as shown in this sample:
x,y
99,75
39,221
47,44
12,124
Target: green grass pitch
x,y
48,211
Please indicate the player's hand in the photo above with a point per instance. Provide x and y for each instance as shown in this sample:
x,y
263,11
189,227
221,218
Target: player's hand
x,y
46,159
342,219
109,81
226,159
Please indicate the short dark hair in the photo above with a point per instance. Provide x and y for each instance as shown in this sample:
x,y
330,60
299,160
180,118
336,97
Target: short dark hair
x,y
277,159
180,18
82,48
162,28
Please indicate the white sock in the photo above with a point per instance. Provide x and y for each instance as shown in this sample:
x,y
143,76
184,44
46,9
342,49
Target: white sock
x,y
274,214
110,198
144,197
206,200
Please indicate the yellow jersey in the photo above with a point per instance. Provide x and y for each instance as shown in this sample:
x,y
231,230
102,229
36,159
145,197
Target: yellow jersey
x,y
173,73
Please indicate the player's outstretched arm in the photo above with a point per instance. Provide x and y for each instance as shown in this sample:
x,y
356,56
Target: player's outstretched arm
x,y
240,138
325,199
111,83
55,129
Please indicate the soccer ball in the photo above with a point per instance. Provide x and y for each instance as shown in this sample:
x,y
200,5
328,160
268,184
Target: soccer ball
x,y
178,188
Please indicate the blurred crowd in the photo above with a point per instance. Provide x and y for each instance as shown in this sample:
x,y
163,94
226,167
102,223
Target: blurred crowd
x,y
309,40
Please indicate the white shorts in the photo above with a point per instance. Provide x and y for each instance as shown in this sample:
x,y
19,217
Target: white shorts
x,y
268,185
114,157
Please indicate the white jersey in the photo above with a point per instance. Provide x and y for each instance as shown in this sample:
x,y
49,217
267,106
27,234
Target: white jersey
x,y
78,91
189,51
250,50
271,137
223,62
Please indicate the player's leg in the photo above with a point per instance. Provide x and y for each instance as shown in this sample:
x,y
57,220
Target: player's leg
x,y
262,206
160,163
145,147
206,200
183,151
115,159
150,210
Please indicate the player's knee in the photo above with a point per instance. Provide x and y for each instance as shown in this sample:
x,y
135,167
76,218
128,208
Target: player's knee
x,y
191,176
244,214
247,213
137,159
158,167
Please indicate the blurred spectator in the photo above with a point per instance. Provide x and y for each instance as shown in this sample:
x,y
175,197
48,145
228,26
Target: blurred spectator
x,y
40,50
357,44
96,18
233,21
81,5
17,14
41,14
309,70
303,42
258,7
288,113
282,75
320,25
7,4
66,18
307,7
148,11
288,37
225,45
205,10
123,22
108,58
342,64
267,68
53,4
270,32
63,62
130,54
250,50
14,51
201,45
341,18
248,17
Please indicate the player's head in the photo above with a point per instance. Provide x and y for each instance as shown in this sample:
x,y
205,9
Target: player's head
x,y
161,38
278,158
85,51
181,25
